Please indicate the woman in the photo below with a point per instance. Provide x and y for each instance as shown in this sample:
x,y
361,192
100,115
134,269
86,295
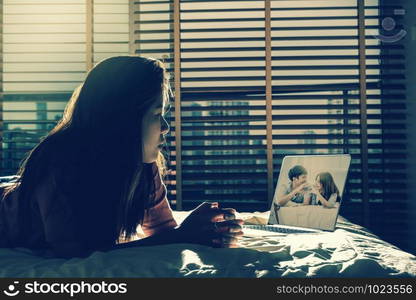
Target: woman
x,y
324,191
97,175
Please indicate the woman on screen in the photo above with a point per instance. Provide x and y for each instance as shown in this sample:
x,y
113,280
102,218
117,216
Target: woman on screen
x,y
324,191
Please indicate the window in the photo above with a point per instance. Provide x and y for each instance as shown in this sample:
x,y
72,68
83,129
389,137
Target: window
x,y
258,80
47,49
315,78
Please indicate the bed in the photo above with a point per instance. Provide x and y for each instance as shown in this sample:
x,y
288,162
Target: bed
x,y
349,251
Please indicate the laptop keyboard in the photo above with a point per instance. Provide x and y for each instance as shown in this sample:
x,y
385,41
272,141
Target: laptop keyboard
x,y
275,229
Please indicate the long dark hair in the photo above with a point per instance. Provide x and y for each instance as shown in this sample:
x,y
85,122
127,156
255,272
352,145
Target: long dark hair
x,y
96,147
328,184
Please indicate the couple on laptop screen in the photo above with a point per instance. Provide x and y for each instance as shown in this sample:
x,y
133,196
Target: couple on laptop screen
x,y
309,191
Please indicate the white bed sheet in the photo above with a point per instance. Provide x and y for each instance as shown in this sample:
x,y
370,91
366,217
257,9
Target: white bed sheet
x,y
350,251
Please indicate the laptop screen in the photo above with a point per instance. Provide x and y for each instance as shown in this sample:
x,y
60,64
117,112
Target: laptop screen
x,y
309,191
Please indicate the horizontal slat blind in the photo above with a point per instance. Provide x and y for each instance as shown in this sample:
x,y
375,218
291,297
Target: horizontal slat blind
x,y
111,28
319,51
45,52
44,45
315,78
236,40
44,60
215,130
1,83
390,169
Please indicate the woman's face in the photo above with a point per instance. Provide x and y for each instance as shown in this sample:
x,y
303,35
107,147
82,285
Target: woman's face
x,y
318,184
154,129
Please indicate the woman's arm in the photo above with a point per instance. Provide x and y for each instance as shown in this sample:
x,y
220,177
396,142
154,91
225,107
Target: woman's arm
x,y
159,226
158,218
197,228
333,199
325,203
71,232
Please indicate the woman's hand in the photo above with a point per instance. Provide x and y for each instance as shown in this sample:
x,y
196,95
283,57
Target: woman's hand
x,y
315,190
212,226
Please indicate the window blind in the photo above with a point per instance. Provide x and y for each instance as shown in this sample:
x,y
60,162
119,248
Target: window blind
x,y
390,147
1,82
47,51
316,99
255,81
315,77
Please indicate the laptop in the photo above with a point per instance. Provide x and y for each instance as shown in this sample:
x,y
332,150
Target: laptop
x,y
308,194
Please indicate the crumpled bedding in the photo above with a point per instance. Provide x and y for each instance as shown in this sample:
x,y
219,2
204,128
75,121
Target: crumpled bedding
x,y
349,251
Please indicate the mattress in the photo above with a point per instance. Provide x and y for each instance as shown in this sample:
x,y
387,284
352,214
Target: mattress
x,y
349,251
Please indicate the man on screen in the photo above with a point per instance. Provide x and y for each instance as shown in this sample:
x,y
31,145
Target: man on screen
x,y
297,191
